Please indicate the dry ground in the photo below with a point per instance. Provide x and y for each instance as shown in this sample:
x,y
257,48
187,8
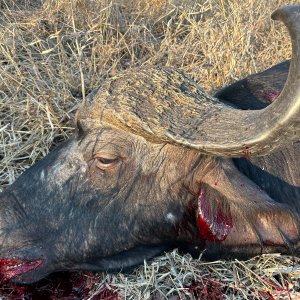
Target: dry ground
x,y
53,53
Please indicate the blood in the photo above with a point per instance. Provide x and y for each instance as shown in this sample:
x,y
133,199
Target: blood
x,y
271,96
63,285
246,152
66,285
213,225
207,289
265,295
268,243
11,268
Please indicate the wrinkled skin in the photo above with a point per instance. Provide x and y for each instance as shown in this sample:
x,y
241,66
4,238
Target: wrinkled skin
x,y
107,199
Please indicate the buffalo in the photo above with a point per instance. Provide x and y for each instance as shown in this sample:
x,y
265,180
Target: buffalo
x,y
157,163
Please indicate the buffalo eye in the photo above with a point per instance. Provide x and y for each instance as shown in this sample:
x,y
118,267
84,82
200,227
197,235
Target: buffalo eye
x,y
106,162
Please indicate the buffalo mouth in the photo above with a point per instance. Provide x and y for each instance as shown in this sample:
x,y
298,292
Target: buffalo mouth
x,y
11,268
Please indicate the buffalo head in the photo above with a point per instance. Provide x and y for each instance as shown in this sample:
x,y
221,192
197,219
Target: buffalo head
x,y
143,174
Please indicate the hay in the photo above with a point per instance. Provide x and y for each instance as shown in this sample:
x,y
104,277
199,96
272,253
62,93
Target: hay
x,y
53,53
175,276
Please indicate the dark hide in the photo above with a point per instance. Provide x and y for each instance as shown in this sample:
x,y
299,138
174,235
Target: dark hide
x,y
256,91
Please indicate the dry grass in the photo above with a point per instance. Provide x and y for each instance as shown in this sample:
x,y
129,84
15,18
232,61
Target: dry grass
x,y
53,53
174,276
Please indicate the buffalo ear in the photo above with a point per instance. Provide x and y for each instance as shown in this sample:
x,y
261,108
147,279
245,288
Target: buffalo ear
x,y
259,224
214,215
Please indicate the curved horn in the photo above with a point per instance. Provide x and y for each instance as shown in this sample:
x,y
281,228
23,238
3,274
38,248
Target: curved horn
x,y
164,105
259,132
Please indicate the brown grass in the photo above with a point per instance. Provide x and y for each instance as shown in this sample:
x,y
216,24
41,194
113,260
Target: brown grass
x,y
53,54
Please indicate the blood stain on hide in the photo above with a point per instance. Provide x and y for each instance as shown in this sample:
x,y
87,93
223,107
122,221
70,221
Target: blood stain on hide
x,y
246,152
269,243
213,225
271,96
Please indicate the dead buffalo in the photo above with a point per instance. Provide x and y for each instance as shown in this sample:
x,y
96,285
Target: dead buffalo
x,y
157,163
